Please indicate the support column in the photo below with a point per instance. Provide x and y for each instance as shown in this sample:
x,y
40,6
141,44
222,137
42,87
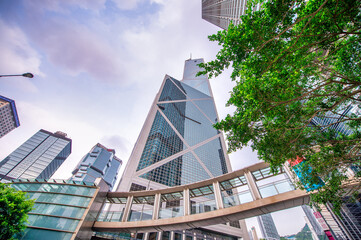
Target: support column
x,y
252,185
156,206
146,236
171,235
186,202
218,195
288,171
127,207
159,235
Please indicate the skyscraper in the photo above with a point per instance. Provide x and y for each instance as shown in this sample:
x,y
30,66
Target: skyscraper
x,y
268,227
222,12
178,143
9,119
100,162
39,157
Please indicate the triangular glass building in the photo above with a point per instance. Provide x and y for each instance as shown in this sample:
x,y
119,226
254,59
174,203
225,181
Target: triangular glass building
x,y
178,144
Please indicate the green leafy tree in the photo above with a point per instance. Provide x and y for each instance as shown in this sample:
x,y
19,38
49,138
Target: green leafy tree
x,y
295,61
14,206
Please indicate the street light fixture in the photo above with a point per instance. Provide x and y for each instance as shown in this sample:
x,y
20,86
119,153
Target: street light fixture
x,y
28,75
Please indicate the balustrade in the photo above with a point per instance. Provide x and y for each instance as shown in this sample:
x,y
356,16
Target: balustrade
x,y
226,193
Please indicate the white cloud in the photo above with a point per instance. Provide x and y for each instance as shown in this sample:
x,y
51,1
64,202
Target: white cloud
x,y
62,6
126,4
17,57
77,49
119,143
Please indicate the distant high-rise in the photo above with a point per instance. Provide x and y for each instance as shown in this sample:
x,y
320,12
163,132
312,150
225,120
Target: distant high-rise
x,y
9,119
100,162
37,158
222,12
178,144
315,226
268,227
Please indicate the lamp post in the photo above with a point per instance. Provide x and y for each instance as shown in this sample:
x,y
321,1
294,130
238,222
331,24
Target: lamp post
x,y
28,75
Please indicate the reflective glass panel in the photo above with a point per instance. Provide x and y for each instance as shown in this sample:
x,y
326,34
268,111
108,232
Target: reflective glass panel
x,y
197,126
32,233
171,92
141,209
61,199
162,142
212,156
52,222
171,205
58,210
208,108
192,93
202,200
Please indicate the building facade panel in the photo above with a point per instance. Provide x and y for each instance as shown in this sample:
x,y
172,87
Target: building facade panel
x,y
9,118
100,162
39,157
178,144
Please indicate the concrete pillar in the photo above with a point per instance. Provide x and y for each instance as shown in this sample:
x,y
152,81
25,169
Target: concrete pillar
x,y
146,236
127,208
156,206
218,195
186,202
159,236
252,185
171,235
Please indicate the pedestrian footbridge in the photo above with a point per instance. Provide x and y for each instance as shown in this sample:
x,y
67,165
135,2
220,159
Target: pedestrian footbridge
x,y
241,194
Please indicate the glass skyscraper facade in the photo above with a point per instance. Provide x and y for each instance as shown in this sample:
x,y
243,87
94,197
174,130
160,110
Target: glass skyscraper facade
x,y
222,12
100,162
9,119
268,227
178,144
37,158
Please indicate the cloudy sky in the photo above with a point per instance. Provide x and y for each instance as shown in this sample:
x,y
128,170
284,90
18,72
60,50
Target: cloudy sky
x,y
98,65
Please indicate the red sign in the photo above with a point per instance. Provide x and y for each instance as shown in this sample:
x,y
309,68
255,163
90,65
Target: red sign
x,y
321,221
296,161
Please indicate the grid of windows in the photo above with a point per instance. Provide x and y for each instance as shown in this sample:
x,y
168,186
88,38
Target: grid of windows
x,y
211,154
58,208
222,12
168,174
191,113
171,92
38,157
7,122
100,162
182,170
161,143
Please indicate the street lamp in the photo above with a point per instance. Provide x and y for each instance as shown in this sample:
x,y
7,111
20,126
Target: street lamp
x,y
28,75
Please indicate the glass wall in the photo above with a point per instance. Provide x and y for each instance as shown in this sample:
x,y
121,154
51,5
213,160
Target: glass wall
x,y
202,199
59,207
113,210
272,183
142,208
171,205
235,192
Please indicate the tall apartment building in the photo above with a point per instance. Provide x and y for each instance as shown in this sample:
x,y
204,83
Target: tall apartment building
x,y
37,158
100,162
268,227
222,12
178,144
9,119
